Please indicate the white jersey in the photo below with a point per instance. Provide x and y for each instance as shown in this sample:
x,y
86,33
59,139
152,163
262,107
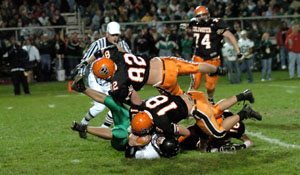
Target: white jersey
x,y
245,45
33,52
98,45
149,151
229,52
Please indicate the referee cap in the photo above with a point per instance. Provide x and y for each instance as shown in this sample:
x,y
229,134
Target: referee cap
x,y
113,28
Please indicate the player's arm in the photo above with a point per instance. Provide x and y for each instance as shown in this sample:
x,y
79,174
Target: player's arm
x,y
183,131
232,40
78,85
95,95
211,69
134,140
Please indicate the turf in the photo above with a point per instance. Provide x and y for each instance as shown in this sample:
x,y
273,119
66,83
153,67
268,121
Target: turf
x,y
36,137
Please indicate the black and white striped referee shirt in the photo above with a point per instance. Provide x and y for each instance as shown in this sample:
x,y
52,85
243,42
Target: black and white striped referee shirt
x,y
98,45
103,43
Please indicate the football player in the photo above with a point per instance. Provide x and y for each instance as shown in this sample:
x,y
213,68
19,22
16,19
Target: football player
x,y
159,72
119,133
159,146
208,35
147,141
200,141
166,111
112,38
246,46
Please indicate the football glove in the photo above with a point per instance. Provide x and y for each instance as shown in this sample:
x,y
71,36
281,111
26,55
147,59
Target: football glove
x,y
78,84
240,57
220,71
183,26
79,67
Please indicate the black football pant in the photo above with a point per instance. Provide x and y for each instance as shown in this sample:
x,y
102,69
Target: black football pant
x,y
19,78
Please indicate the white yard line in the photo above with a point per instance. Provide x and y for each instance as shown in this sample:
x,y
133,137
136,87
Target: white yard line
x,y
283,86
273,141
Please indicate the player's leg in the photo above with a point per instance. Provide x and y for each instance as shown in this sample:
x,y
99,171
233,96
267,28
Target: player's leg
x,y
98,107
228,102
211,81
197,77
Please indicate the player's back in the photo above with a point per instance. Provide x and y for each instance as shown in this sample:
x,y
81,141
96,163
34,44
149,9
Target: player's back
x,y
167,106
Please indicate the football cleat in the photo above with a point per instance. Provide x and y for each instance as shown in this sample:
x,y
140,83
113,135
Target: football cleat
x,y
82,129
250,113
248,95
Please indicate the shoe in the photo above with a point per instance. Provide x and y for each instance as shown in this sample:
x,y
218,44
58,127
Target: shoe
x,y
82,129
250,113
211,100
248,95
263,80
269,79
283,67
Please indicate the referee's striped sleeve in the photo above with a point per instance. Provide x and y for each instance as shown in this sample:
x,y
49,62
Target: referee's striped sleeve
x,y
95,46
90,51
125,46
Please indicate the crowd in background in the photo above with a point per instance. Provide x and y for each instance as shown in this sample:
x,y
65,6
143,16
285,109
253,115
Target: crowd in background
x,y
63,51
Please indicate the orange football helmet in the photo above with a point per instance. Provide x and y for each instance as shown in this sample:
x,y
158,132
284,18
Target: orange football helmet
x,y
201,12
104,68
141,123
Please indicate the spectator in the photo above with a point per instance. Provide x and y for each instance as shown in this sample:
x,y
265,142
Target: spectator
x,y
18,58
246,48
43,19
163,16
280,39
34,23
96,21
165,43
45,48
266,50
229,55
59,48
147,18
49,31
186,44
141,43
73,53
292,43
34,61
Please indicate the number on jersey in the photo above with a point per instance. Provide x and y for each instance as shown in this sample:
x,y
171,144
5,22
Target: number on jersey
x,y
158,100
204,42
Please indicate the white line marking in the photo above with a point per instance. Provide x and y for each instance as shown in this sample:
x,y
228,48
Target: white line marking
x,y
273,141
62,95
51,105
285,86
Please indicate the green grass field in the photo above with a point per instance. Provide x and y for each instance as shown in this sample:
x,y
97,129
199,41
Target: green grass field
x,y
35,134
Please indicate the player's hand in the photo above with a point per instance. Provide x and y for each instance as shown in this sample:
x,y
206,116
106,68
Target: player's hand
x,y
78,84
240,57
79,67
183,26
220,71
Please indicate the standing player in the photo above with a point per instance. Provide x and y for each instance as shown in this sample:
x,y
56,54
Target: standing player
x,y
246,46
112,38
231,62
208,33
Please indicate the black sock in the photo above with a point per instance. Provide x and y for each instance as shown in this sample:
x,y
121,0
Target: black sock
x,y
240,97
242,114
